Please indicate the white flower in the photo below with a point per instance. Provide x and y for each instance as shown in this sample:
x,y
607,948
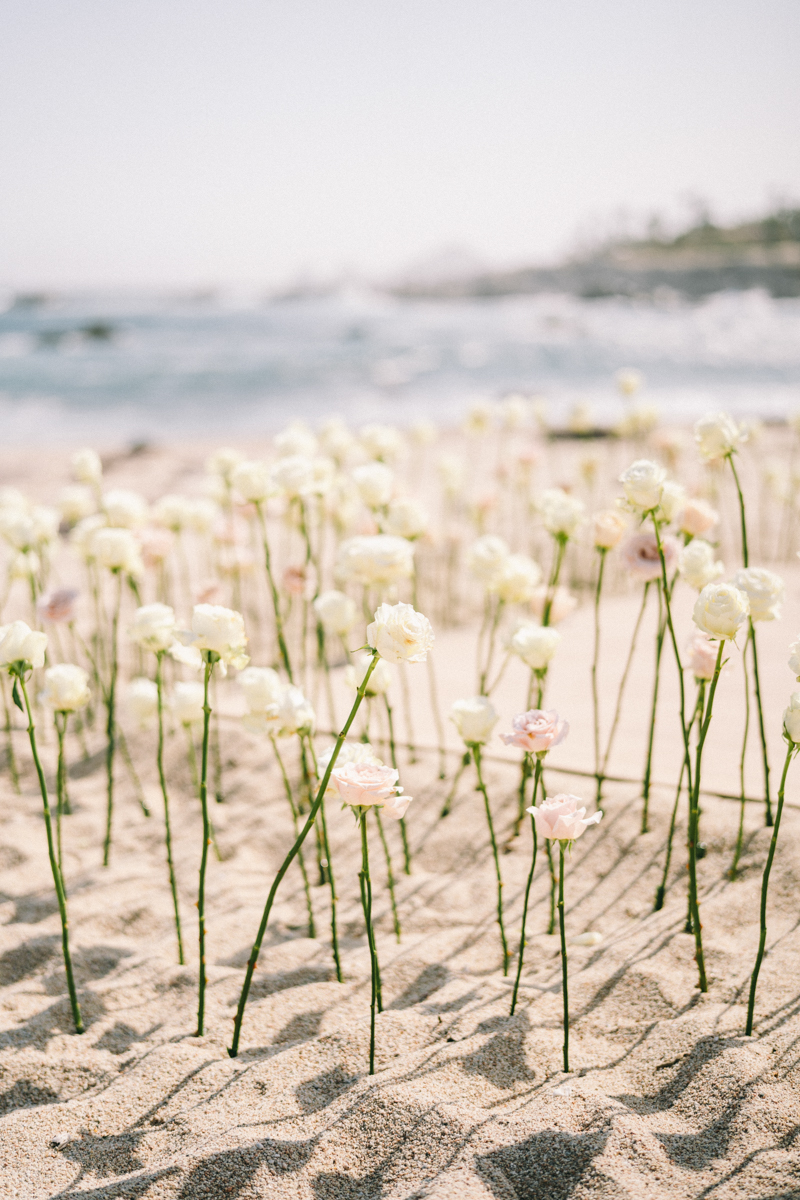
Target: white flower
x,y
486,556
17,527
383,442
516,579
336,439
293,475
86,466
400,634
21,644
376,559
25,565
406,518
535,644
375,483
66,687
82,534
717,435
561,513
222,462
173,512
262,689
364,784
609,526
252,481
452,472
116,549
562,603
629,380
560,819
349,752
295,713
187,702
791,718
75,502
765,590
296,440
201,514
221,631
142,698
153,627
794,658
124,509
379,681
697,517
720,609
642,484
336,612
187,656
474,719
673,501
697,564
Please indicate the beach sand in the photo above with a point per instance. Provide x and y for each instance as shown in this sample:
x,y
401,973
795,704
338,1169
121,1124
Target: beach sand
x,y
667,1097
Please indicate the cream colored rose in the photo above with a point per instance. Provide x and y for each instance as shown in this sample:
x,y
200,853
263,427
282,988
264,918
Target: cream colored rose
x,y
336,612
794,658
535,644
791,719
293,475
365,784
702,656
642,484
673,501
262,689
406,518
375,484
375,560
400,634
221,631
516,579
697,564
142,698
536,731
21,644
66,687
717,436
561,513
116,549
486,556
187,702
173,512
765,590
75,502
252,481
124,509
720,610
153,627
608,528
296,439
474,719
697,518
87,467
295,712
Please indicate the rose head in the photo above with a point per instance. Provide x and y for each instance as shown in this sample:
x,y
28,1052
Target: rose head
x,y
142,697
364,784
608,528
697,564
19,644
336,612
562,603
720,610
516,578
536,731
640,555
221,631
400,634
702,657
765,591
66,687
535,644
153,627
380,679
642,484
562,819
486,556
474,719
697,518
187,702
717,436
791,719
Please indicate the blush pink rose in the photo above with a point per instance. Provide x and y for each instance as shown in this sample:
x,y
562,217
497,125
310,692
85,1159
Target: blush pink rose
x,y
536,731
364,784
640,555
561,819
702,657
58,606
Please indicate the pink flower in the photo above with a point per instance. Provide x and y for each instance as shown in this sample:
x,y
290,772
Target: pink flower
x,y
58,606
536,731
363,784
560,819
640,555
702,656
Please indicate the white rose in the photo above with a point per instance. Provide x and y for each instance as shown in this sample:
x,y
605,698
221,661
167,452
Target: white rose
x,y
17,527
452,472
124,509
86,466
153,627
765,590
252,481
474,719
383,442
201,514
535,644
375,560
791,718
295,712
75,502
349,752
375,483
173,512
220,630
486,556
673,501
794,659
222,462
516,579
66,687
116,549
187,702
293,475
262,688
720,610
21,644
406,518
25,565
702,656
400,634
142,698
81,536
379,681
336,612
642,484
697,564
697,518
717,435
609,527
336,439
296,440
561,513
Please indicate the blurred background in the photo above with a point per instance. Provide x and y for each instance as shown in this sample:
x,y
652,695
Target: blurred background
x,y
216,216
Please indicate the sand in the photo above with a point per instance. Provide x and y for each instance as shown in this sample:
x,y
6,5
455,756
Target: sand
x,y
667,1097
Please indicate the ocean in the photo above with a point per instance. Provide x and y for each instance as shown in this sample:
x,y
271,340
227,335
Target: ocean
x,y
120,369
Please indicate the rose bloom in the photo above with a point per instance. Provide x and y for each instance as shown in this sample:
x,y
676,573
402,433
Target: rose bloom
x,y
66,687
486,557
124,509
58,605
336,612
187,702
220,630
400,634
765,590
536,731
642,484
296,439
379,681
222,462
720,610
474,719
384,442
794,658
153,627
295,714
252,481
173,512
452,472
117,550
262,688
156,545
673,501
697,518
142,698
609,526
702,656
516,579
563,603
294,580
75,502
25,565
561,513
534,644
791,719
365,784
349,752
375,559
20,643
293,475
717,436
640,555
561,819
86,466
375,484
697,564
406,518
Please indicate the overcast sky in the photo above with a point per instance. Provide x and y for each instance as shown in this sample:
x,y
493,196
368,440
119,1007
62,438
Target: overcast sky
x,y
194,142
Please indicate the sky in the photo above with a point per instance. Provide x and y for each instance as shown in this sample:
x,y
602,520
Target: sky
x,y
194,143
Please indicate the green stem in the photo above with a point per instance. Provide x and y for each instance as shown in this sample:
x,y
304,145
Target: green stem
x,y
173,882
131,769
57,878
563,953
276,602
764,752
389,875
602,551
762,941
111,723
62,805
498,610
366,902
201,891
537,777
393,753
623,682
558,558
476,754
12,761
740,832
287,787
745,555
326,846
451,795
553,883
661,891
648,764
284,867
